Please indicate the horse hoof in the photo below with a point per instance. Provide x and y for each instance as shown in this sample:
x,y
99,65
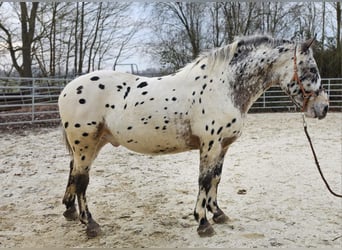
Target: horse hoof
x,y
93,229
220,217
71,214
205,230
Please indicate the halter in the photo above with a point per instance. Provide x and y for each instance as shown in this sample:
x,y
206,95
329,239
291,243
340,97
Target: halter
x,y
295,78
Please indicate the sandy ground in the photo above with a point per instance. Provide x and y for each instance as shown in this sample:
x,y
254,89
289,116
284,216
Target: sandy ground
x,y
144,201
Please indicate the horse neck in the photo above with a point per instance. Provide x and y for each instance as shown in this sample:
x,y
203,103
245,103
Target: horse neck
x,y
255,72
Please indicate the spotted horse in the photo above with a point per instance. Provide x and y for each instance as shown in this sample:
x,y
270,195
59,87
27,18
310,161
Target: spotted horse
x,y
203,106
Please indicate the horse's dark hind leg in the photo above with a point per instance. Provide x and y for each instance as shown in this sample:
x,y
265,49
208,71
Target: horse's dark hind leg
x,y
69,196
82,181
77,186
85,148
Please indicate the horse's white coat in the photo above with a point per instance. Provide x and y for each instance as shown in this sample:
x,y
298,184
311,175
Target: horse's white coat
x,y
203,106
148,119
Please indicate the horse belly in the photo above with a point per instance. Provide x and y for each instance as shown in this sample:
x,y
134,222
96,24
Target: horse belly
x,y
154,143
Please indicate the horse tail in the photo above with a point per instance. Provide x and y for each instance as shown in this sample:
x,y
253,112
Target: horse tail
x,y
66,141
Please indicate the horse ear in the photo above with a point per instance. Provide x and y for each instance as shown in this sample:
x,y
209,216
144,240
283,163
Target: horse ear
x,y
306,45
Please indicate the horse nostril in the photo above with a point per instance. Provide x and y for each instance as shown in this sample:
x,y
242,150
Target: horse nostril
x,y
325,110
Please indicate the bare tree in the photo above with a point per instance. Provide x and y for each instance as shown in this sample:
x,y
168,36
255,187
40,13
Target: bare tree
x,y
27,17
218,32
65,38
182,17
238,18
338,24
338,35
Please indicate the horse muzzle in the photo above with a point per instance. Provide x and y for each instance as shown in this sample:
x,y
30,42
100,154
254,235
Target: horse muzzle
x,y
318,107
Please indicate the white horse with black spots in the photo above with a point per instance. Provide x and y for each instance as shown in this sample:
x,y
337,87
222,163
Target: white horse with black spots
x,y
203,106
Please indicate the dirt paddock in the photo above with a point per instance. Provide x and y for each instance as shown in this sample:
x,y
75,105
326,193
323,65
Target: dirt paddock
x,y
270,189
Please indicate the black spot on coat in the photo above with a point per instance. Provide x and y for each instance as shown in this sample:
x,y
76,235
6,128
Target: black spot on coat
x,y
127,91
203,203
79,89
94,78
142,85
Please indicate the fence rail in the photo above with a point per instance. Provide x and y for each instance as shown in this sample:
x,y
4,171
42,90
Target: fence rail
x,y
275,100
29,100
34,100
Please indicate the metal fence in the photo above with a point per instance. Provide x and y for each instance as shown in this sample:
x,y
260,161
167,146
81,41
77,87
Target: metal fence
x,y
29,100
34,100
275,100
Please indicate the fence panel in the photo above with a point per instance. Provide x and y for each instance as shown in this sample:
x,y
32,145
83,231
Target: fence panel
x,y
34,100
29,100
275,100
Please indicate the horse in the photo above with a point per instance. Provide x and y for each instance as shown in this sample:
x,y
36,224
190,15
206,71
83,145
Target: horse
x,y
202,107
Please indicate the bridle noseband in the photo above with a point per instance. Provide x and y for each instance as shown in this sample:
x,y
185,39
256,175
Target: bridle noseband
x,y
295,78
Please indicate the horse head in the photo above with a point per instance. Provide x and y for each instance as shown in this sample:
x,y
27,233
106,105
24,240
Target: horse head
x,y
305,88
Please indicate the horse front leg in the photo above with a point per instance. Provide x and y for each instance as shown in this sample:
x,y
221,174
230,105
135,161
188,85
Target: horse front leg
x,y
212,203
209,178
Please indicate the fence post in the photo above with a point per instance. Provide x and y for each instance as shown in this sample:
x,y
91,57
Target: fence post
x,y
33,100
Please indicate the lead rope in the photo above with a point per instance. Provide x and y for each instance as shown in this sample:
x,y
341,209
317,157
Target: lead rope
x,y
316,160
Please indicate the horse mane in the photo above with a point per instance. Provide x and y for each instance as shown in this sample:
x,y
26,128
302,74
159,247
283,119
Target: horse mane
x,y
226,53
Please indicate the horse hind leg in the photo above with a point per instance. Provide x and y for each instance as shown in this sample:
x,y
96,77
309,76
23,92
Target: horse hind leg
x,y
85,147
69,196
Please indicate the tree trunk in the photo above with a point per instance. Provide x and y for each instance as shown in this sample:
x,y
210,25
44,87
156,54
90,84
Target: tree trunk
x,y
76,39
339,20
98,18
27,33
81,55
52,40
338,35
